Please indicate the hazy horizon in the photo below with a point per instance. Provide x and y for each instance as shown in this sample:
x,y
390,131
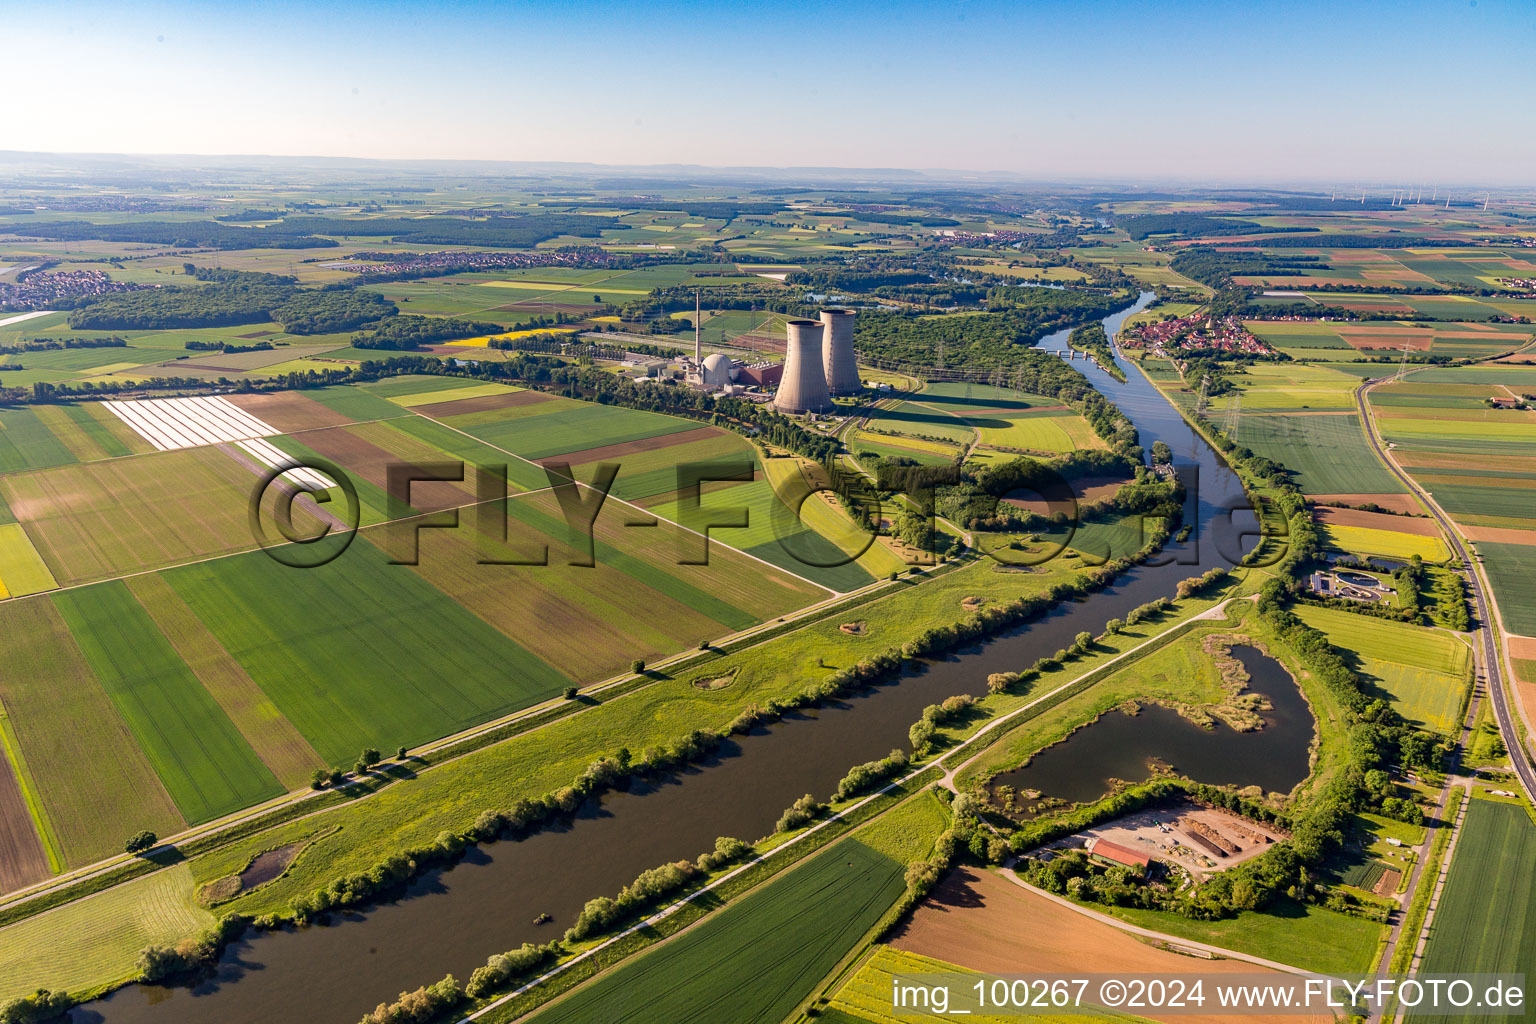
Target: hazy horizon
x,y
1189,92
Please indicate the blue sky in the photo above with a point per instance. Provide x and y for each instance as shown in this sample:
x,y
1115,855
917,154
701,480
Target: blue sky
x,y
1236,91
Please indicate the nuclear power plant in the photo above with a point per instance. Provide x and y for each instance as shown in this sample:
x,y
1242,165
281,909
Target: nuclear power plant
x,y
818,363
838,360
804,385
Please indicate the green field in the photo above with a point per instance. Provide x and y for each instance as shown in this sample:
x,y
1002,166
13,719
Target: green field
x,y
865,998
68,728
1361,540
775,534
1512,572
1291,933
1328,454
1424,671
200,756
22,570
105,935
405,671
753,962
1488,909
576,427
27,443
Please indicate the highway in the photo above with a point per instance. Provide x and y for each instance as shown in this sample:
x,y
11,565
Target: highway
x,y
1488,626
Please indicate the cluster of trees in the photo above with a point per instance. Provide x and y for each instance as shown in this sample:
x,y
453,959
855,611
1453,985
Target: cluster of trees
x,y
496,232
39,1007
226,347
230,298
800,813
50,344
662,301
863,777
191,234
651,887
162,963
1090,338
1217,267
865,276
423,1006
406,333
935,715
501,968
1197,584
1193,225
977,500
331,310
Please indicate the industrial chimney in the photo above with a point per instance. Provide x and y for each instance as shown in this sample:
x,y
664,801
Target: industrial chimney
x,y
804,385
841,366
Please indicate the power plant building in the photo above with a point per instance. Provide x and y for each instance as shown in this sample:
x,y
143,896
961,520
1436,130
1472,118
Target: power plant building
x,y
803,387
838,361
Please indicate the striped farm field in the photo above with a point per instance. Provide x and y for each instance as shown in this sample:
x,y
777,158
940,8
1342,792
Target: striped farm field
x,y
1327,453
105,935
650,467
920,448
90,432
415,398
1268,387
1044,432
454,444
22,571
1424,671
355,670
732,589
771,532
1488,908
274,739
754,961
578,426
407,385
200,756
916,418
355,403
1358,540
102,519
821,513
1512,572
68,728
27,443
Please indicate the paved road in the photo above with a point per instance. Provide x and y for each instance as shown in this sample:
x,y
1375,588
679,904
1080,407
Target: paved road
x,y
1488,627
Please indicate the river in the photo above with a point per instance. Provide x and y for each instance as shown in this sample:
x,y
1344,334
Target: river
x,y
451,920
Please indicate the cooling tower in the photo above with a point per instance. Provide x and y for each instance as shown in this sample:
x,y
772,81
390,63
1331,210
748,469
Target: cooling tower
x,y
838,360
804,385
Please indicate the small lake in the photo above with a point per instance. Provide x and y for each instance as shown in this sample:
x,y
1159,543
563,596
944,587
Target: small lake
x,y
1081,768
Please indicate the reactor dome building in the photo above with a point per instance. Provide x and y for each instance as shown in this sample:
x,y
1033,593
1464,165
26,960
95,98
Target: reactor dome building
x,y
838,361
715,371
803,387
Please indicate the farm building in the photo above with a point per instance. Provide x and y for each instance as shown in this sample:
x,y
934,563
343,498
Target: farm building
x,y
1115,855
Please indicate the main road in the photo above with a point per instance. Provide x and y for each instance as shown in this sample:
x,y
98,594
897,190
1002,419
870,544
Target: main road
x,y
1489,628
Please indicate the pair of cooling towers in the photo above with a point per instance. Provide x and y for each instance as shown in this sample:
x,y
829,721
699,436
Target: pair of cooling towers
x,y
818,363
